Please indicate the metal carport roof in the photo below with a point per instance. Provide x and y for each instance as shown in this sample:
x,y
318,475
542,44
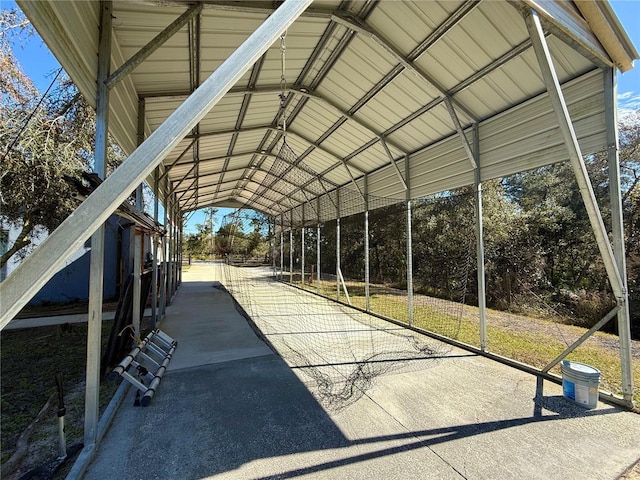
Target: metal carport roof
x,y
369,86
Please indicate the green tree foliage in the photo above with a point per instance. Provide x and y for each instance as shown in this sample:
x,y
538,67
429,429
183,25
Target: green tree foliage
x,y
44,142
246,234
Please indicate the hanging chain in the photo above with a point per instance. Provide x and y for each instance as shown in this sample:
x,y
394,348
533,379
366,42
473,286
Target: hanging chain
x,y
283,83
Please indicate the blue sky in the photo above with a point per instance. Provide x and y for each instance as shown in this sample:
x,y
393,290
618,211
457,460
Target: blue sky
x,y
41,66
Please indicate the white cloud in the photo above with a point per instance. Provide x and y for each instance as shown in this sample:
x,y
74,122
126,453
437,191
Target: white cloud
x,y
628,102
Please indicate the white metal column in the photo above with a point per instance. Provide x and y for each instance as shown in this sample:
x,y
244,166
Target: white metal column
x,y
154,253
96,273
318,252
409,242
367,279
302,230
318,273
618,286
482,298
617,227
169,264
272,229
281,246
291,246
165,264
302,259
41,265
137,237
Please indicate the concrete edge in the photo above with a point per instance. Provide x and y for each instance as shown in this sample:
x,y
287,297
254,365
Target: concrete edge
x,y
88,452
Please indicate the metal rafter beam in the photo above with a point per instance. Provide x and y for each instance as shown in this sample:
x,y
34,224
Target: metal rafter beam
x,y
223,157
394,164
231,131
443,28
142,54
316,146
173,184
406,63
167,169
463,137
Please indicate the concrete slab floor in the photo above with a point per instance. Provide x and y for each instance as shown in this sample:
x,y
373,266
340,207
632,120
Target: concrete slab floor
x,y
232,409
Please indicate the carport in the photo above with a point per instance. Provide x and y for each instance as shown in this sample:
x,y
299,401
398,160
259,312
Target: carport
x,y
386,99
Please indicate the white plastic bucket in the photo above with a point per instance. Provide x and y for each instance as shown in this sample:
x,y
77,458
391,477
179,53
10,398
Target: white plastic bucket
x,y
580,383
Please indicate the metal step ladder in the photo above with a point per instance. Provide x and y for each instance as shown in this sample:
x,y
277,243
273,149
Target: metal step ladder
x,y
148,361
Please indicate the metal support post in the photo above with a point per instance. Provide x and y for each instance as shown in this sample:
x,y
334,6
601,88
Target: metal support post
x,y
181,217
24,282
137,237
302,230
174,252
169,251
165,263
137,291
281,246
618,285
281,251
367,298
482,298
617,232
318,253
318,274
338,266
170,256
409,243
96,273
338,269
174,249
272,235
291,253
302,233
154,253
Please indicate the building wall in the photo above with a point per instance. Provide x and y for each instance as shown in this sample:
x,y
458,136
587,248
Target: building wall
x,y
71,283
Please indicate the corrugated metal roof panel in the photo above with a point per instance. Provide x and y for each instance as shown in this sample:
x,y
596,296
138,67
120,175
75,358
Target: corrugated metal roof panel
x,y
378,69
425,129
406,24
527,136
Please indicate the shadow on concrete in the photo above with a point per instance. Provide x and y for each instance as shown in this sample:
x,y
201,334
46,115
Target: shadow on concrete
x,y
215,419
441,435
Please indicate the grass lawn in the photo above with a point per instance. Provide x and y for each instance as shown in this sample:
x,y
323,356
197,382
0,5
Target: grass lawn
x,y
30,359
